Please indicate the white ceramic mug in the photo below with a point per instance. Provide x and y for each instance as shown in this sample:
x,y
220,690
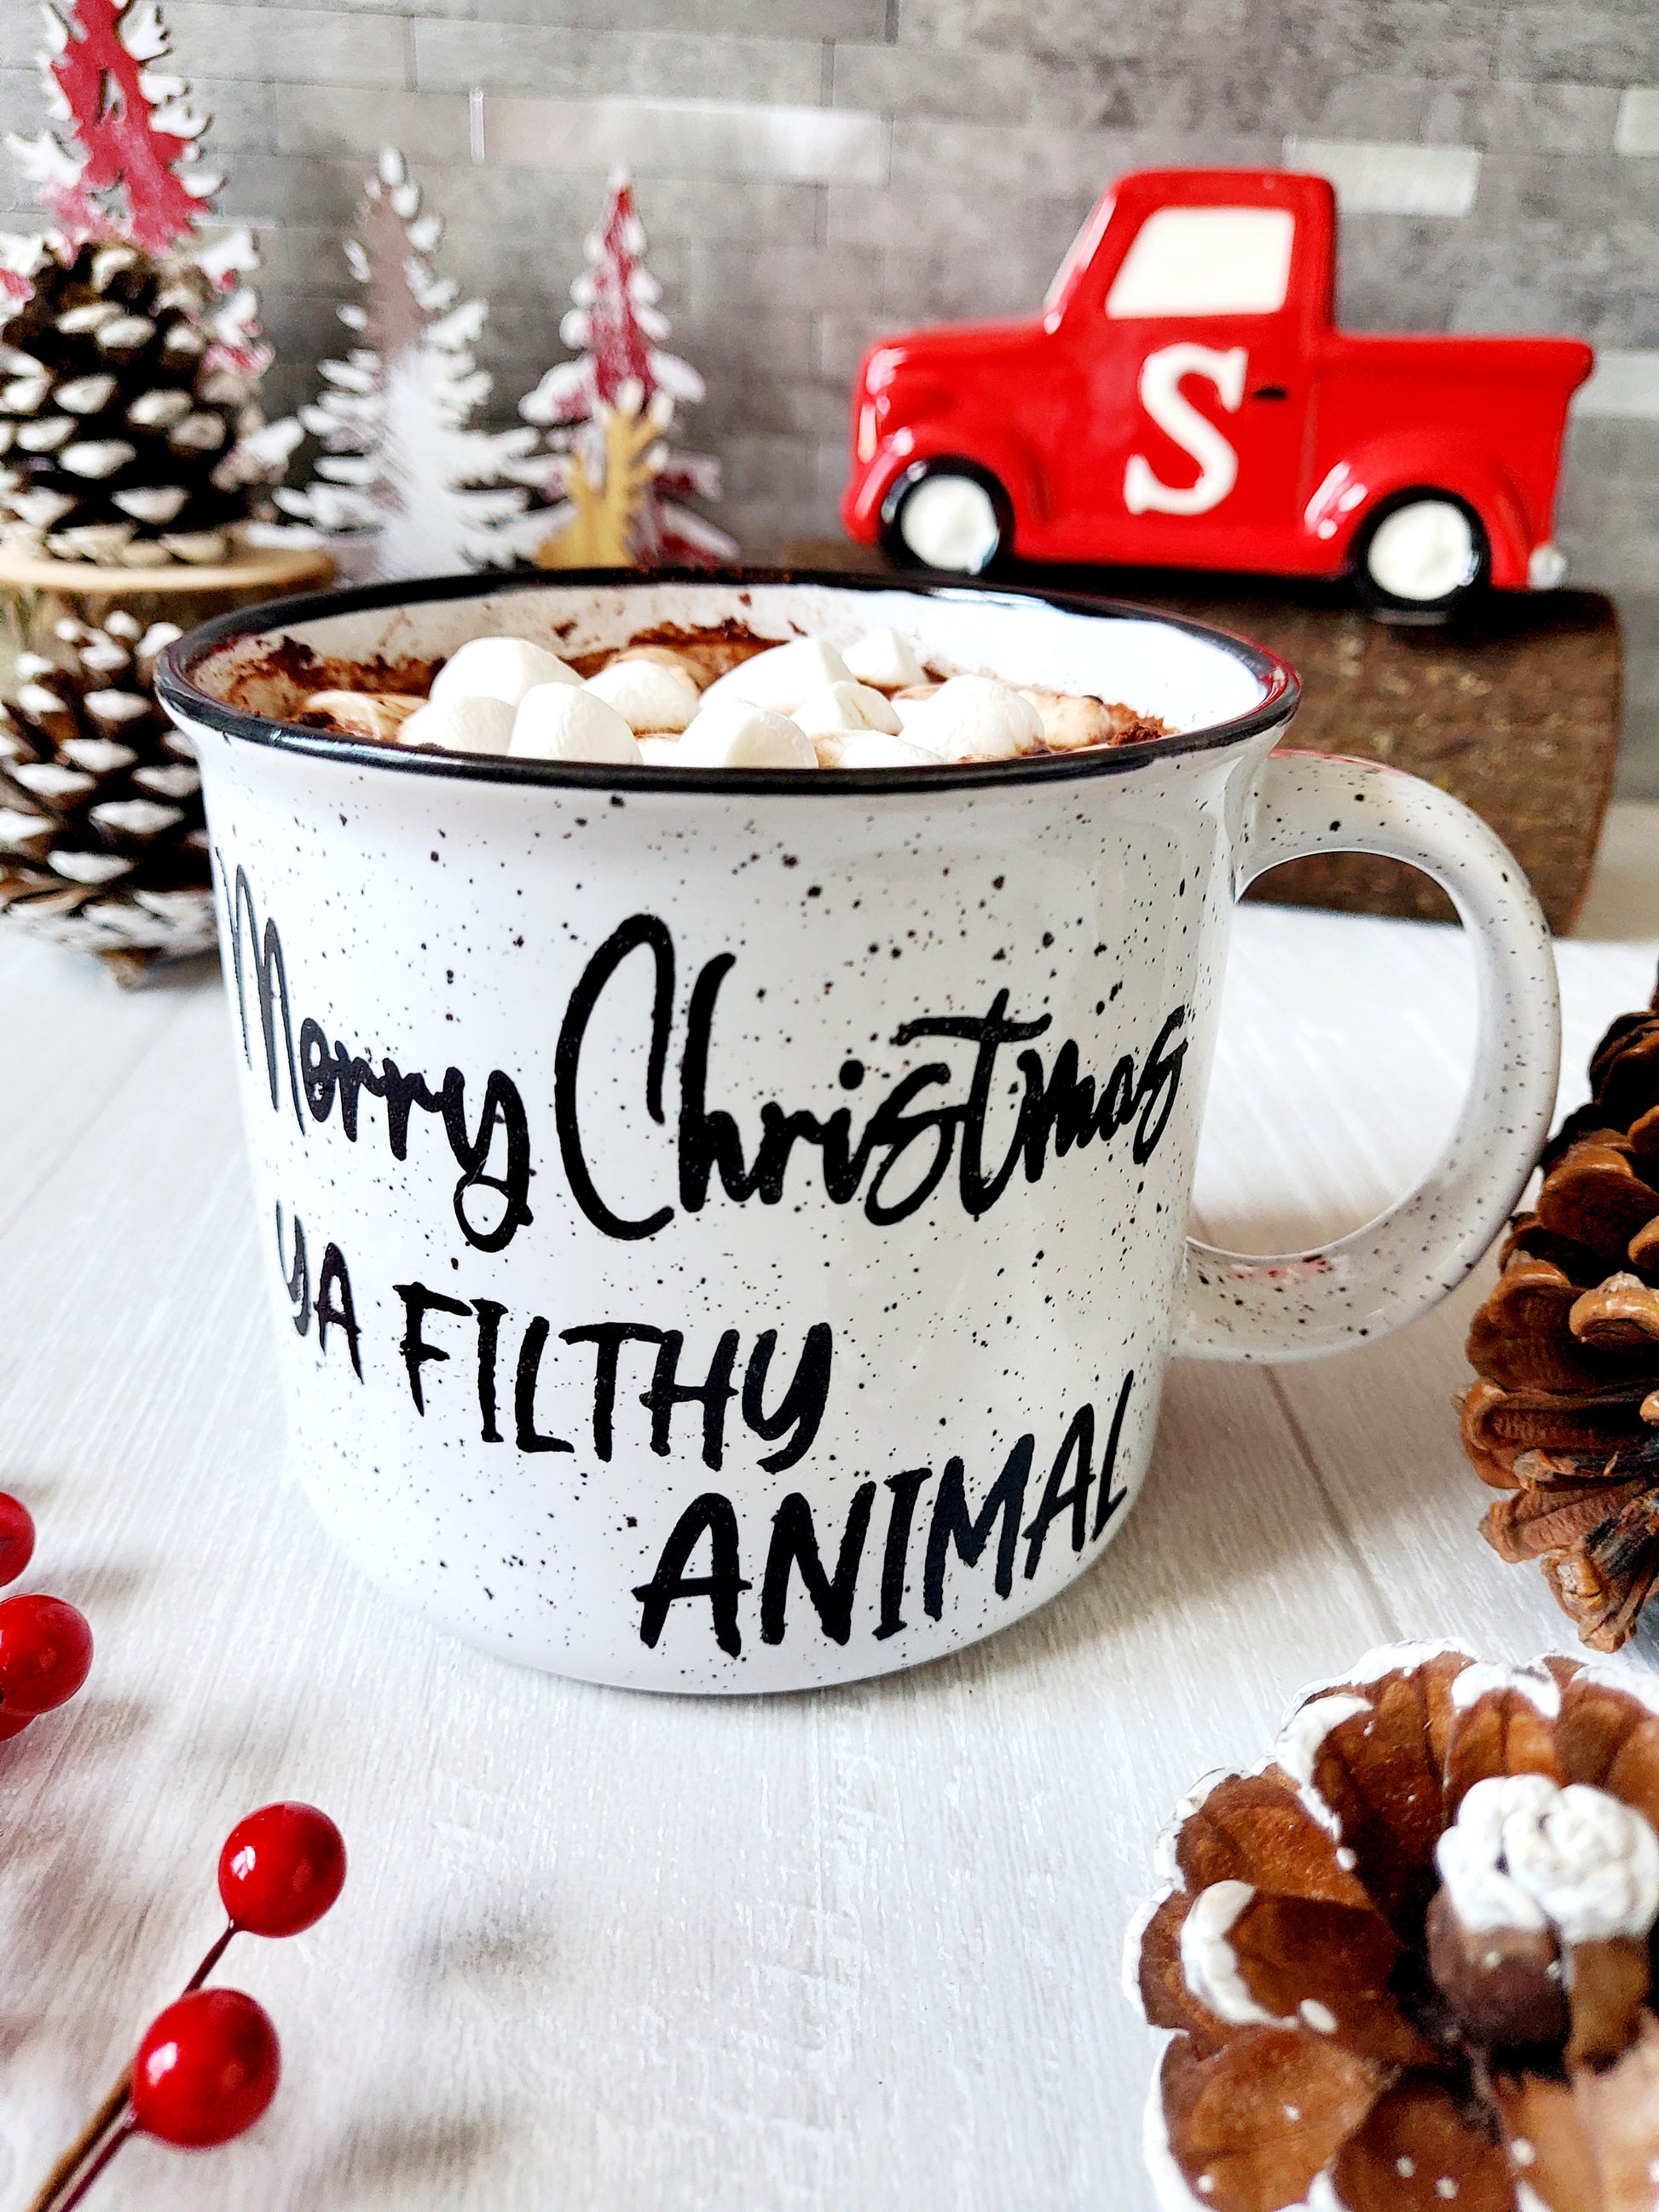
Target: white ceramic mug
x,y
727,1228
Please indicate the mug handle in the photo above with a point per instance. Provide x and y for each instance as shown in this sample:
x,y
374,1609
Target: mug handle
x,y
1301,1305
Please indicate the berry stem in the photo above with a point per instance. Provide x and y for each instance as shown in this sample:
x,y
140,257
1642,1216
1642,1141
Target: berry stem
x,y
98,2165
216,1951
113,2107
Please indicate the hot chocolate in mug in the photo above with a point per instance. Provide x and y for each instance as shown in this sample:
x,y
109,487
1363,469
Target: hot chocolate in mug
x,y
726,1228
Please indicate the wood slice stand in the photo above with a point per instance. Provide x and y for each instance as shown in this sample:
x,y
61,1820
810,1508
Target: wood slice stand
x,y
1513,710
176,593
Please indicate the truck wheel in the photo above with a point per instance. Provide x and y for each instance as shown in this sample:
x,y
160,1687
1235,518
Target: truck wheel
x,y
947,514
1422,554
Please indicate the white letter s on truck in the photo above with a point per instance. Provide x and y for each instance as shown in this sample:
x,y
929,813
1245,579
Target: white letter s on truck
x,y
1160,395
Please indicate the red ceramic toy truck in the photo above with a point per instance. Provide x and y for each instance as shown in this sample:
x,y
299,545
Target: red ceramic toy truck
x,y
1186,400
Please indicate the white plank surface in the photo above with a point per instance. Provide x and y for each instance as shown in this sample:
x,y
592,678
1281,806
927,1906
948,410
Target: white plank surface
x,y
846,1952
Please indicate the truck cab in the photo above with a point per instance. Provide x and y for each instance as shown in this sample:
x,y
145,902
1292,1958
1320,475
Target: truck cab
x,y
1185,399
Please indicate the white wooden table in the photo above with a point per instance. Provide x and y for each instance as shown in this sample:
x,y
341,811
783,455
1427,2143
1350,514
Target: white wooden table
x,y
852,1952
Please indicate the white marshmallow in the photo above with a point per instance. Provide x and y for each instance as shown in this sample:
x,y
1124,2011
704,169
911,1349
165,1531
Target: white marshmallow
x,y
781,678
975,718
845,707
502,668
732,733
460,725
660,752
877,748
647,695
885,660
567,722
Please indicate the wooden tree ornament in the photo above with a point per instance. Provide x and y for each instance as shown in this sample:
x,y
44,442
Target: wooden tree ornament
x,y
606,523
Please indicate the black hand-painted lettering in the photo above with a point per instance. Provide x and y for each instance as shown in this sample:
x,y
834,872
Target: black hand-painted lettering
x,y
906,1488
891,1125
714,1395
502,1109
952,1524
418,1302
609,1338
707,1141
980,1191
1077,1446
321,1077
335,1309
1157,1094
796,1544
318,1077
1107,1501
893,1165
987,1541
298,1276
271,972
712,1516
640,929
802,1405
528,1437
490,1313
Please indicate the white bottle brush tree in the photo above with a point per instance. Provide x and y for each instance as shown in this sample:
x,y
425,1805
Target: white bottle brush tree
x,y
607,414
404,484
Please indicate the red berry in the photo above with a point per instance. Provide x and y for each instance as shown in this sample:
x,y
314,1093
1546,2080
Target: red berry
x,y
206,2069
45,1653
13,1724
16,1537
281,1869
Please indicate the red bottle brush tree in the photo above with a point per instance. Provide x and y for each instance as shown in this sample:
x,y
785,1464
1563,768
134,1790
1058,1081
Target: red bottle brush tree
x,y
607,414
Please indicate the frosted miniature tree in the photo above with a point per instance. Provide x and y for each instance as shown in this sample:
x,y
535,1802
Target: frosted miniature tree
x,y
596,408
133,170
404,484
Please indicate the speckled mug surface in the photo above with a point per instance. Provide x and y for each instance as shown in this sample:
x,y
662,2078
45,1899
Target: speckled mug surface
x,y
726,1228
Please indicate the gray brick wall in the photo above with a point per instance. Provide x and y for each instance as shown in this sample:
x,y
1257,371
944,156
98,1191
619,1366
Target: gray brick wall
x,y
814,172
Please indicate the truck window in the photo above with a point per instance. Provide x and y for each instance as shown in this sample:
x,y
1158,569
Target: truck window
x,y
1081,251
1205,261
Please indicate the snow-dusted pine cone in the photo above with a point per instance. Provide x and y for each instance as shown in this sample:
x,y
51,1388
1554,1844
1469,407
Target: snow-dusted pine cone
x,y
116,421
102,842
1408,1961
1565,1418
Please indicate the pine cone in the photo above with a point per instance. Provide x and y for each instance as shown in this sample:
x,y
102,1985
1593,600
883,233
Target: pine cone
x,y
116,422
1408,1960
1565,1418
102,839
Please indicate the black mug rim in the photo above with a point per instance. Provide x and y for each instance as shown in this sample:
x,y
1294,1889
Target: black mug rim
x,y
184,699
